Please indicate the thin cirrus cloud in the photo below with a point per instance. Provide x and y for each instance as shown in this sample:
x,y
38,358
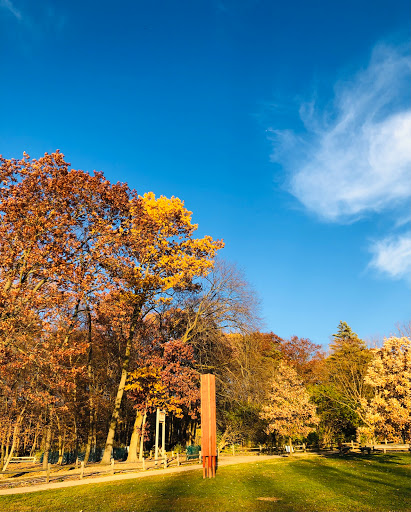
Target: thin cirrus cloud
x,y
354,158
392,256
7,4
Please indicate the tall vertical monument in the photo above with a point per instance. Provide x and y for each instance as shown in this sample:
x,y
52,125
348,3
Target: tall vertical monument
x,y
208,425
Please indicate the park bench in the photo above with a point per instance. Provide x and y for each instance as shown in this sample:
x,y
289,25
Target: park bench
x,y
364,449
23,459
193,452
300,447
347,447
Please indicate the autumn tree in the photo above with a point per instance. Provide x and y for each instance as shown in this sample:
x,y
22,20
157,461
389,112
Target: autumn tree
x,y
288,409
54,223
221,322
77,248
305,356
207,318
388,412
160,255
167,380
342,388
246,362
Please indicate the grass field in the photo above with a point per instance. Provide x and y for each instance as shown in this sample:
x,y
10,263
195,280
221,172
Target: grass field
x,y
376,483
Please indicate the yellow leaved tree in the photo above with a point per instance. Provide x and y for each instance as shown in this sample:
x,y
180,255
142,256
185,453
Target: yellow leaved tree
x,y
156,255
388,413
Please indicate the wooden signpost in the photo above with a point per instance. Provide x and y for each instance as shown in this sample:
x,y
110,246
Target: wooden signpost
x,y
208,425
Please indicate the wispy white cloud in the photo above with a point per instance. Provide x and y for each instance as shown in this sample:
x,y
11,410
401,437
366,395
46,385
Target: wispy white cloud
x,y
353,157
7,4
392,256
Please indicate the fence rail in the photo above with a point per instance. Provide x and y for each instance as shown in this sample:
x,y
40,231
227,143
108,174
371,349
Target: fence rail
x,y
81,470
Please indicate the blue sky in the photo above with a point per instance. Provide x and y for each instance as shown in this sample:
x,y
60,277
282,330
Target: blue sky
x,y
284,126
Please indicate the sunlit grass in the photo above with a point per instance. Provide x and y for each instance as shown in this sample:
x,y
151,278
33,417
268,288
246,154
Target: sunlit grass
x,y
376,483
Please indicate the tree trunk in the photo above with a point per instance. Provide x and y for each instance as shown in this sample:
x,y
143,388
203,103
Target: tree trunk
x,y
35,440
90,383
62,442
89,440
116,412
27,436
94,445
189,433
170,431
143,427
47,446
15,436
3,449
120,391
135,438
8,439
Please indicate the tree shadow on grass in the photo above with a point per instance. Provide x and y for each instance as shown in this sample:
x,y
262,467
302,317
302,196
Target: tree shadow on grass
x,y
300,485
382,458
236,489
309,485
233,490
370,485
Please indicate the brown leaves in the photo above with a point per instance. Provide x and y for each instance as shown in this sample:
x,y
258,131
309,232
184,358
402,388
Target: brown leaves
x,y
74,246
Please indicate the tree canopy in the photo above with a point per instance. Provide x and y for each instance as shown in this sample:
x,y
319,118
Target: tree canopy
x,y
110,307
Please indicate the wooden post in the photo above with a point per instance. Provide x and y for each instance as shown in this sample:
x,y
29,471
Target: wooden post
x,y
178,458
144,463
48,473
112,466
163,434
82,470
165,461
156,438
208,425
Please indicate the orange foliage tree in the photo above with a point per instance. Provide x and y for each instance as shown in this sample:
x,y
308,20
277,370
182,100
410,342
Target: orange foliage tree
x,y
54,225
167,380
76,248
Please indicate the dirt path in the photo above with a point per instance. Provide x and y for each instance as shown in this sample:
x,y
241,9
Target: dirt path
x,y
224,461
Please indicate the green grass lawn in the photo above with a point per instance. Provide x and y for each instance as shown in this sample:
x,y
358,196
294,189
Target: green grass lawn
x,y
375,483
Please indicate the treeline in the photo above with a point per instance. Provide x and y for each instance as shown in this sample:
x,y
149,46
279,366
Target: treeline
x,y
110,308
275,390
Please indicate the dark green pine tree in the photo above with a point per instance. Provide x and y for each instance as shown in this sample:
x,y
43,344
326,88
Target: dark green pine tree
x,y
346,338
339,399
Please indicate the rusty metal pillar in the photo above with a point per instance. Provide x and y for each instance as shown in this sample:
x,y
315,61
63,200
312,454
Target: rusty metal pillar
x,y
208,425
